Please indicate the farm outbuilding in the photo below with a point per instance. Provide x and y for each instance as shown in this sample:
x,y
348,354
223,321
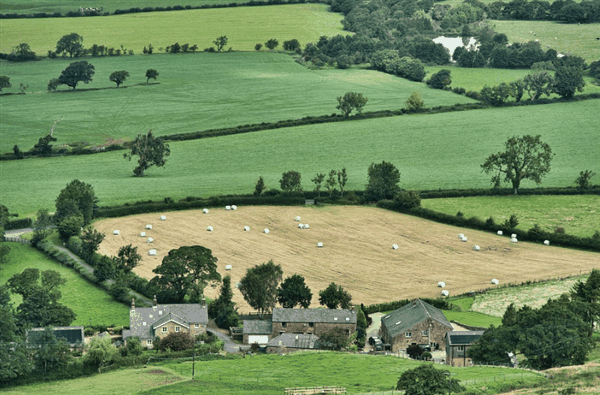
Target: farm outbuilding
x,y
457,344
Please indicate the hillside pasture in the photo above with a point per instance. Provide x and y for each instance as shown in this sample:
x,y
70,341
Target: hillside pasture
x,y
244,26
573,39
194,92
357,251
89,302
432,151
577,215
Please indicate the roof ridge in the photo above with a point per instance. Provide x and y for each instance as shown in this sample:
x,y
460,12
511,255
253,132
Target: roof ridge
x,y
425,308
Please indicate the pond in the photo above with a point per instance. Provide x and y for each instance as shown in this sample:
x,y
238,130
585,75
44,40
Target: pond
x,y
451,43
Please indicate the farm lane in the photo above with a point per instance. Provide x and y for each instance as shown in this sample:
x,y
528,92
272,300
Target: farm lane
x,y
230,345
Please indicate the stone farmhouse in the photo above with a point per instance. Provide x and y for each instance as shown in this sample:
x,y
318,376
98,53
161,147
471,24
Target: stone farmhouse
x,y
298,322
161,319
457,344
415,323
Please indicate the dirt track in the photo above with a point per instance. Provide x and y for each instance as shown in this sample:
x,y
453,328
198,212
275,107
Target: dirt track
x,y
357,251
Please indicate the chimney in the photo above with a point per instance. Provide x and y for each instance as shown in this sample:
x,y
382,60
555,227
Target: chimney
x,y
132,304
154,302
203,301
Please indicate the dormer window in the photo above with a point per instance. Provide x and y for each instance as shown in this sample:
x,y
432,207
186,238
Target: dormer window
x,y
335,318
159,312
347,318
311,324
150,315
144,323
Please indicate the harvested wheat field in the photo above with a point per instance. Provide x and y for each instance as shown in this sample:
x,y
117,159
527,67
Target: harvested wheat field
x,y
357,250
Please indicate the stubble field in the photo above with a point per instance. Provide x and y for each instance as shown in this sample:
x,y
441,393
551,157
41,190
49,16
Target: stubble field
x,y
357,251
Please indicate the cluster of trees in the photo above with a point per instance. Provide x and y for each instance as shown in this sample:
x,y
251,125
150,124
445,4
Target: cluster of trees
x,y
177,48
557,334
587,11
335,177
72,45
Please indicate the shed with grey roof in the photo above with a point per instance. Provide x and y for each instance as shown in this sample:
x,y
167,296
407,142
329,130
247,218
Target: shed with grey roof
x,y
257,331
457,344
289,342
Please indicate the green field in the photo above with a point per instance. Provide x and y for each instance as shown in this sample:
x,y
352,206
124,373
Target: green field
x,y
64,6
244,26
572,39
431,151
196,92
89,302
472,318
474,79
578,215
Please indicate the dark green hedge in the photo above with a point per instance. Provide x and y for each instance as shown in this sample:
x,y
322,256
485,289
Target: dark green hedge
x,y
379,307
19,223
452,193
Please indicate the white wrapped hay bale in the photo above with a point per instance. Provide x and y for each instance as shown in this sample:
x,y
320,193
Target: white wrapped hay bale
x,y
163,218
233,207
441,284
150,240
143,234
297,218
306,226
247,228
209,228
266,230
148,226
394,246
319,244
547,242
445,293
500,233
301,226
513,240
476,248
513,236
460,236
152,252
495,281
464,239
116,232
227,207
228,267
205,210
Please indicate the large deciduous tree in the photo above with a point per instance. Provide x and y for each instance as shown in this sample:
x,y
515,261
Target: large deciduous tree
x,y
221,42
90,241
127,258
259,286
14,356
335,295
427,380
567,81
71,44
4,82
76,72
77,198
272,43
525,158
351,101
294,291
119,77
151,74
383,181
22,53
291,182
152,151
440,80
189,268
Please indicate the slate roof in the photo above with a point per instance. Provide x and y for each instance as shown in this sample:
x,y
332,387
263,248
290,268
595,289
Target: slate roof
x,y
181,313
407,316
463,338
71,334
258,327
338,316
291,340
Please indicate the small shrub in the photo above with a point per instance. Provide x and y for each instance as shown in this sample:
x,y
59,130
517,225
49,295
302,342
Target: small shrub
x,y
490,222
560,230
460,214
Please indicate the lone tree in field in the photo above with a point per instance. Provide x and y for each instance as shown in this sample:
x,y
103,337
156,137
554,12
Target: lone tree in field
x,y
440,80
76,72
294,291
4,82
272,44
71,44
383,181
151,150
351,101
259,286
291,182
151,74
118,77
221,42
526,157
414,102
183,270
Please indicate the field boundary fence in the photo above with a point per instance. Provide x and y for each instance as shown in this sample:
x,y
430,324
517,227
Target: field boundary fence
x,y
16,240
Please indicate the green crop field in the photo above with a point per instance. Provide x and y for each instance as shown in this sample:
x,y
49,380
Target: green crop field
x,y
89,302
196,92
474,79
244,26
432,151
64,6
578,215
571,39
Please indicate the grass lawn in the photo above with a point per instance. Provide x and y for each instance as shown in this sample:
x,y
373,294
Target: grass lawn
x,y
88,301
120,382
64,6
195,92
244,26
571,39
472,318
578,215
431,151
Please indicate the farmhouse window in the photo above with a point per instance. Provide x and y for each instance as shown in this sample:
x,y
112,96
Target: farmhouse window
x,y
284,324
461,348
425,333
311,324
177,328
149,342
165,329
407,334
196,326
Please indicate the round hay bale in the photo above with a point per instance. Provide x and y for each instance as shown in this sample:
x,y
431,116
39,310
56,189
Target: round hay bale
x,y
163,218
513,236
394,246
441,284
227,207
476,248
547,242
143,234
210,228
148,226
228,267
205,211
152,252
460,236
301,226
306,226
513,240
297,219
150,240
319,244
266,230
116,232
495,281
247,228
500,233
464,239
233,207
445,293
